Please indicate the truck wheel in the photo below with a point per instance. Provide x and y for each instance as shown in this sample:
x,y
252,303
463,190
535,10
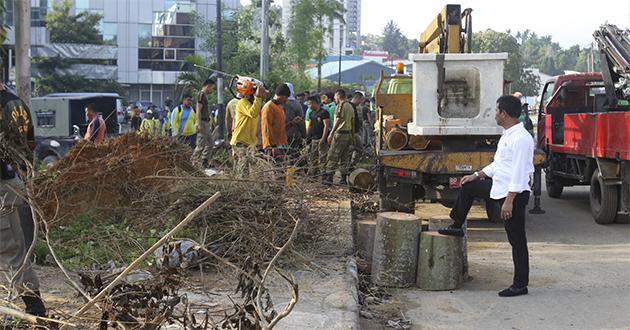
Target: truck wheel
x,y
399,198
603,200
493,211
49,161
554,186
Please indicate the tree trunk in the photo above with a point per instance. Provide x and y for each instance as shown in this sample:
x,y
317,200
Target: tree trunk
x,y
395,249
365,239
440,262
361,179
418,142
396,139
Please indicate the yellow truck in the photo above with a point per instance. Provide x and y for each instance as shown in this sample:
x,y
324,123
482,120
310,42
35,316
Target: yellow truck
x,y
436,123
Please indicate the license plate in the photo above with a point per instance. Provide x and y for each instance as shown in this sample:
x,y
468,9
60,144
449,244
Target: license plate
x,y
463,168
455,182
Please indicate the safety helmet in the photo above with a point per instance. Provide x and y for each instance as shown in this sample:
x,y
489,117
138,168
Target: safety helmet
x,y
400,68
245,87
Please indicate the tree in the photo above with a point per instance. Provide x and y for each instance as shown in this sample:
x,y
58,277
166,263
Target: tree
x,y
67,28
3,22
311,20
394,41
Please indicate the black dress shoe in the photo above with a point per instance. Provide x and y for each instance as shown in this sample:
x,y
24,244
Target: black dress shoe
x,y
513,292
452,231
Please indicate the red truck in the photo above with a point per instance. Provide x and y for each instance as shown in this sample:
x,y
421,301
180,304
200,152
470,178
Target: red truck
x,y
584,127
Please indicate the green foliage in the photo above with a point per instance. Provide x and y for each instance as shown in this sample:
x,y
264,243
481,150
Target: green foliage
x,y
394,41
88,241
53,82
311,20
490,41
65,27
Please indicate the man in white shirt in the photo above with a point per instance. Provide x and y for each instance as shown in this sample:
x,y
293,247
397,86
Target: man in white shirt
x,y
505,181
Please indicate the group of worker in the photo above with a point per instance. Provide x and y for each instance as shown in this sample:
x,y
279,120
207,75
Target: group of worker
x,y
326,128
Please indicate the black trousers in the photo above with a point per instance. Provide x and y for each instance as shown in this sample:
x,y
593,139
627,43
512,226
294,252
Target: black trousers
x,y
514,227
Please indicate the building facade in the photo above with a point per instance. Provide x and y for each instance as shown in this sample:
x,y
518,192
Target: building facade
x,y
151,37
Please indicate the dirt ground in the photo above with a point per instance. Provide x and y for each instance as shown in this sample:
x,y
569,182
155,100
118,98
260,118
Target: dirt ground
x,y
579,275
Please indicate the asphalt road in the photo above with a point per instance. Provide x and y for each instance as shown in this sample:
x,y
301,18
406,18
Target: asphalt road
x,y
579,276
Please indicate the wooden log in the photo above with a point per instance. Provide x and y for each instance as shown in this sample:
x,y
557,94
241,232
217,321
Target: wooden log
x,y
361,179
439,262
395,249
418,142
365,237
442,221
396,139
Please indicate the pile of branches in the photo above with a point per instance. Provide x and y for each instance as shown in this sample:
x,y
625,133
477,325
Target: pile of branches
x,y
150,183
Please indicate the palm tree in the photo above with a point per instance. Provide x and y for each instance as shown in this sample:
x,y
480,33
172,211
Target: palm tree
x,y
192,76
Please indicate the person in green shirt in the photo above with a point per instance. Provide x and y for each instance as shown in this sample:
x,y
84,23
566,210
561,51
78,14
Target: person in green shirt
x,y
341,139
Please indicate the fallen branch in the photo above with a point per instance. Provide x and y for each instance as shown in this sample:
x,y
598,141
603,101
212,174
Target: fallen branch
x,y
147,253
31,318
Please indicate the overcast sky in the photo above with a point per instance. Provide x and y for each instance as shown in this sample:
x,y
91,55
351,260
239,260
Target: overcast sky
x,y
568,22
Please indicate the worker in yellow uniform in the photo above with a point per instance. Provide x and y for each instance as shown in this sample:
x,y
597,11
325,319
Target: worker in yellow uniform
x,y
183,122
150,126
246,117
341,139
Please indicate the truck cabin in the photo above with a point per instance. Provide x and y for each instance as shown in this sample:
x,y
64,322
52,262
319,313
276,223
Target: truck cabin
x,y
568,94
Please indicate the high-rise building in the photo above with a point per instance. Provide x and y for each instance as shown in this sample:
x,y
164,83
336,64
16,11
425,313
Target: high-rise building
x,y
350,31
148,39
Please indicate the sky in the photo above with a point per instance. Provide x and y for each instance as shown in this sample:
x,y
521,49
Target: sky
x,y
568,22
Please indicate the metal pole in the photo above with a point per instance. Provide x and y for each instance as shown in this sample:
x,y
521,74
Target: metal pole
x,y
264,47
340,51
220,100
22,19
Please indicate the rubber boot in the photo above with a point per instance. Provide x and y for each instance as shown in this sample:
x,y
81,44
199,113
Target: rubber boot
x,y
34,304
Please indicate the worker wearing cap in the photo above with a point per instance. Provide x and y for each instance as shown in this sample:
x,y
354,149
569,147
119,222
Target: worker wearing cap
x,y
17,127
150,126
96,125
246,117
341,139
201,155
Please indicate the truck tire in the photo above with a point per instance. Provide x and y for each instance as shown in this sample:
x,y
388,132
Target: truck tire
x,y
554,186
398,198
493,211
603,200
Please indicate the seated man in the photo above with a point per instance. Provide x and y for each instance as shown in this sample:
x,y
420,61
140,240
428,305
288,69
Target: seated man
x,y
505,181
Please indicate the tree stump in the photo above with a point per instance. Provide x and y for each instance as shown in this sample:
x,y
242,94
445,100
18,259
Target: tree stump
x,y
396,139
440,264
361,179
442,221
395,256
365,237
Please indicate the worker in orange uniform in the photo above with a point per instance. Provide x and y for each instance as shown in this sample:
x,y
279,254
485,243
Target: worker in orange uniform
x,y
96,127
272,123
246,118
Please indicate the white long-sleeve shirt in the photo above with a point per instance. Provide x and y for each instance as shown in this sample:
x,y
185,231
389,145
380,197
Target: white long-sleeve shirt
x,y
513,163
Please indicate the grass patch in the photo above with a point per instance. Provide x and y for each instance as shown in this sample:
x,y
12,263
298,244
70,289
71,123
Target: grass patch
x,y
89,241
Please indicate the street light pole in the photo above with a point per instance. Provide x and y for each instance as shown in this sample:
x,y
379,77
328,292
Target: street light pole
x,y
219,51
264,42
22,19
340,51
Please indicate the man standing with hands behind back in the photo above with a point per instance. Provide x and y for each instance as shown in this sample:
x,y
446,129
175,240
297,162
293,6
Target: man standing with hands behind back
x,y
505,181
201,155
